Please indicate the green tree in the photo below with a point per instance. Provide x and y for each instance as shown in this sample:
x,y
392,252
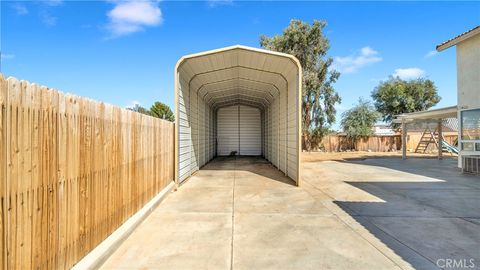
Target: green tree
x,y
396,96
139,109
161,110
309,45
359,120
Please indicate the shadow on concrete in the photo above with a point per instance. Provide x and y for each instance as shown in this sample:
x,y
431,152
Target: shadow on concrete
x,y
253,164
424,222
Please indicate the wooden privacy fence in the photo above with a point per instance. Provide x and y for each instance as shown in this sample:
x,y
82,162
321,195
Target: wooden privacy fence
x,y
337,143
72,171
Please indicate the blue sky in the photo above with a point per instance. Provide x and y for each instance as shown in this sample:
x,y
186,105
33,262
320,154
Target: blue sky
x,y
125,52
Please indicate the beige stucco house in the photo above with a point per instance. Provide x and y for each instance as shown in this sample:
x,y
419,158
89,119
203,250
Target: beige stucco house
x,y
468,90
467,110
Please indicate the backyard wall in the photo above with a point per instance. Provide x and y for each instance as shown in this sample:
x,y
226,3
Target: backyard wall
x,y
337,143
72,171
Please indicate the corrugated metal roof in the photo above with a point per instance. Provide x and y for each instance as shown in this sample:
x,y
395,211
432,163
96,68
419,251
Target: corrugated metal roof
x,y
454,41
237,73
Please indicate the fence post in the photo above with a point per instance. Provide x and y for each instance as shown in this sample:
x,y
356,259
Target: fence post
x,y
404,139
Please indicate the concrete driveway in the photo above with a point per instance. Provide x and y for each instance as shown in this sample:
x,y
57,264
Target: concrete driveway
x,y
242,213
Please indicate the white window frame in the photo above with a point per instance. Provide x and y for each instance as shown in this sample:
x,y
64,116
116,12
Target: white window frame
x,y
476,143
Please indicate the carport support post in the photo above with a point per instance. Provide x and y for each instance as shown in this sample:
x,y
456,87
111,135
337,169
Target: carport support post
x,y
404,139
440,139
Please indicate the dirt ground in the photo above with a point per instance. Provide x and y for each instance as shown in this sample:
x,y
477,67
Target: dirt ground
x,y
361,155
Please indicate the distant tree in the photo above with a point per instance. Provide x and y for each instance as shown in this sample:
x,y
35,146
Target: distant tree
x,y
162,110
139,109
358,121
309,45
396,96
317,135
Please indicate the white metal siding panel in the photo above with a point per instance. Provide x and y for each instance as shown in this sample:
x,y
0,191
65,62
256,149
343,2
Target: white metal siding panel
x,y
250,131
282,132
194,129
262,115
227,130
293,125
206,131
211,135
184,132
201,133
270,128
274,158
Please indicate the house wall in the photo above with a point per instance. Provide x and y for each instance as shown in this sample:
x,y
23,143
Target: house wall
x,y
468,81
468,73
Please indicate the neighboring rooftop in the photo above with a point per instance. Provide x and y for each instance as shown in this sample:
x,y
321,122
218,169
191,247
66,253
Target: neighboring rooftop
x,y
454,41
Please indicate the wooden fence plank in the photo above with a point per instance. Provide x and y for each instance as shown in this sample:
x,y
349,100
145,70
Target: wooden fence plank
x,y
73,170
3,172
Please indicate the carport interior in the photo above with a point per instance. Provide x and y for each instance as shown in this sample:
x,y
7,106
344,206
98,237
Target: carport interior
x,y
237,100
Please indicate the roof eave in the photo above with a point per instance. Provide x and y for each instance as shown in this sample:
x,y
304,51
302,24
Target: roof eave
x,y
458,39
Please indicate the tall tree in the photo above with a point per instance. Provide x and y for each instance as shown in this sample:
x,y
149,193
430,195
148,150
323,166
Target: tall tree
x,y
396,96
162,110
359,120
309,45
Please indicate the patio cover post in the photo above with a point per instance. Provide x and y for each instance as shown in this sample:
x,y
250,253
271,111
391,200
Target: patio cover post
x,y
404,139
440,139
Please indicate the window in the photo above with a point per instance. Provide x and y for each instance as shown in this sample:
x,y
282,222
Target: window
x,y
471,125
470,130
467,146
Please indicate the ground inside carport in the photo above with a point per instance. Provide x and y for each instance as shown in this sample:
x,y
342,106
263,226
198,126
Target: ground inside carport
x,y
242,213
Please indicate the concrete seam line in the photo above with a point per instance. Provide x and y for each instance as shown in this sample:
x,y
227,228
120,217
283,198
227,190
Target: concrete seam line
x,y
95,258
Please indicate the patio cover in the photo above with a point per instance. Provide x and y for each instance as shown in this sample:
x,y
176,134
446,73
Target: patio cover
x,y
435,115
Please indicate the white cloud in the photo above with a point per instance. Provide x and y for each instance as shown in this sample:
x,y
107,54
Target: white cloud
x,y
216,3
6,56
45,11
52,3
47,18
132,16
349,64
408,73
133,103
20,9
431,54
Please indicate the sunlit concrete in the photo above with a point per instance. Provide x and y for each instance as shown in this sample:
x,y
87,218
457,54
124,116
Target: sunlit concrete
x,y
243,213
418,211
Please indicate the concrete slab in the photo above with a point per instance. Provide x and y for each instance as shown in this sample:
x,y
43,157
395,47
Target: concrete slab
x,y
270,200
210,178
242,213
177,241
434,238
425,209
200,200
301,242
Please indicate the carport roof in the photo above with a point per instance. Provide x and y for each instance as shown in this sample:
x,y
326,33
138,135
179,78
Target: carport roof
x,y
238,74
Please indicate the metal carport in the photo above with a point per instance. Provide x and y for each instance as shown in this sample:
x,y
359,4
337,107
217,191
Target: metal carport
x,y
237,76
